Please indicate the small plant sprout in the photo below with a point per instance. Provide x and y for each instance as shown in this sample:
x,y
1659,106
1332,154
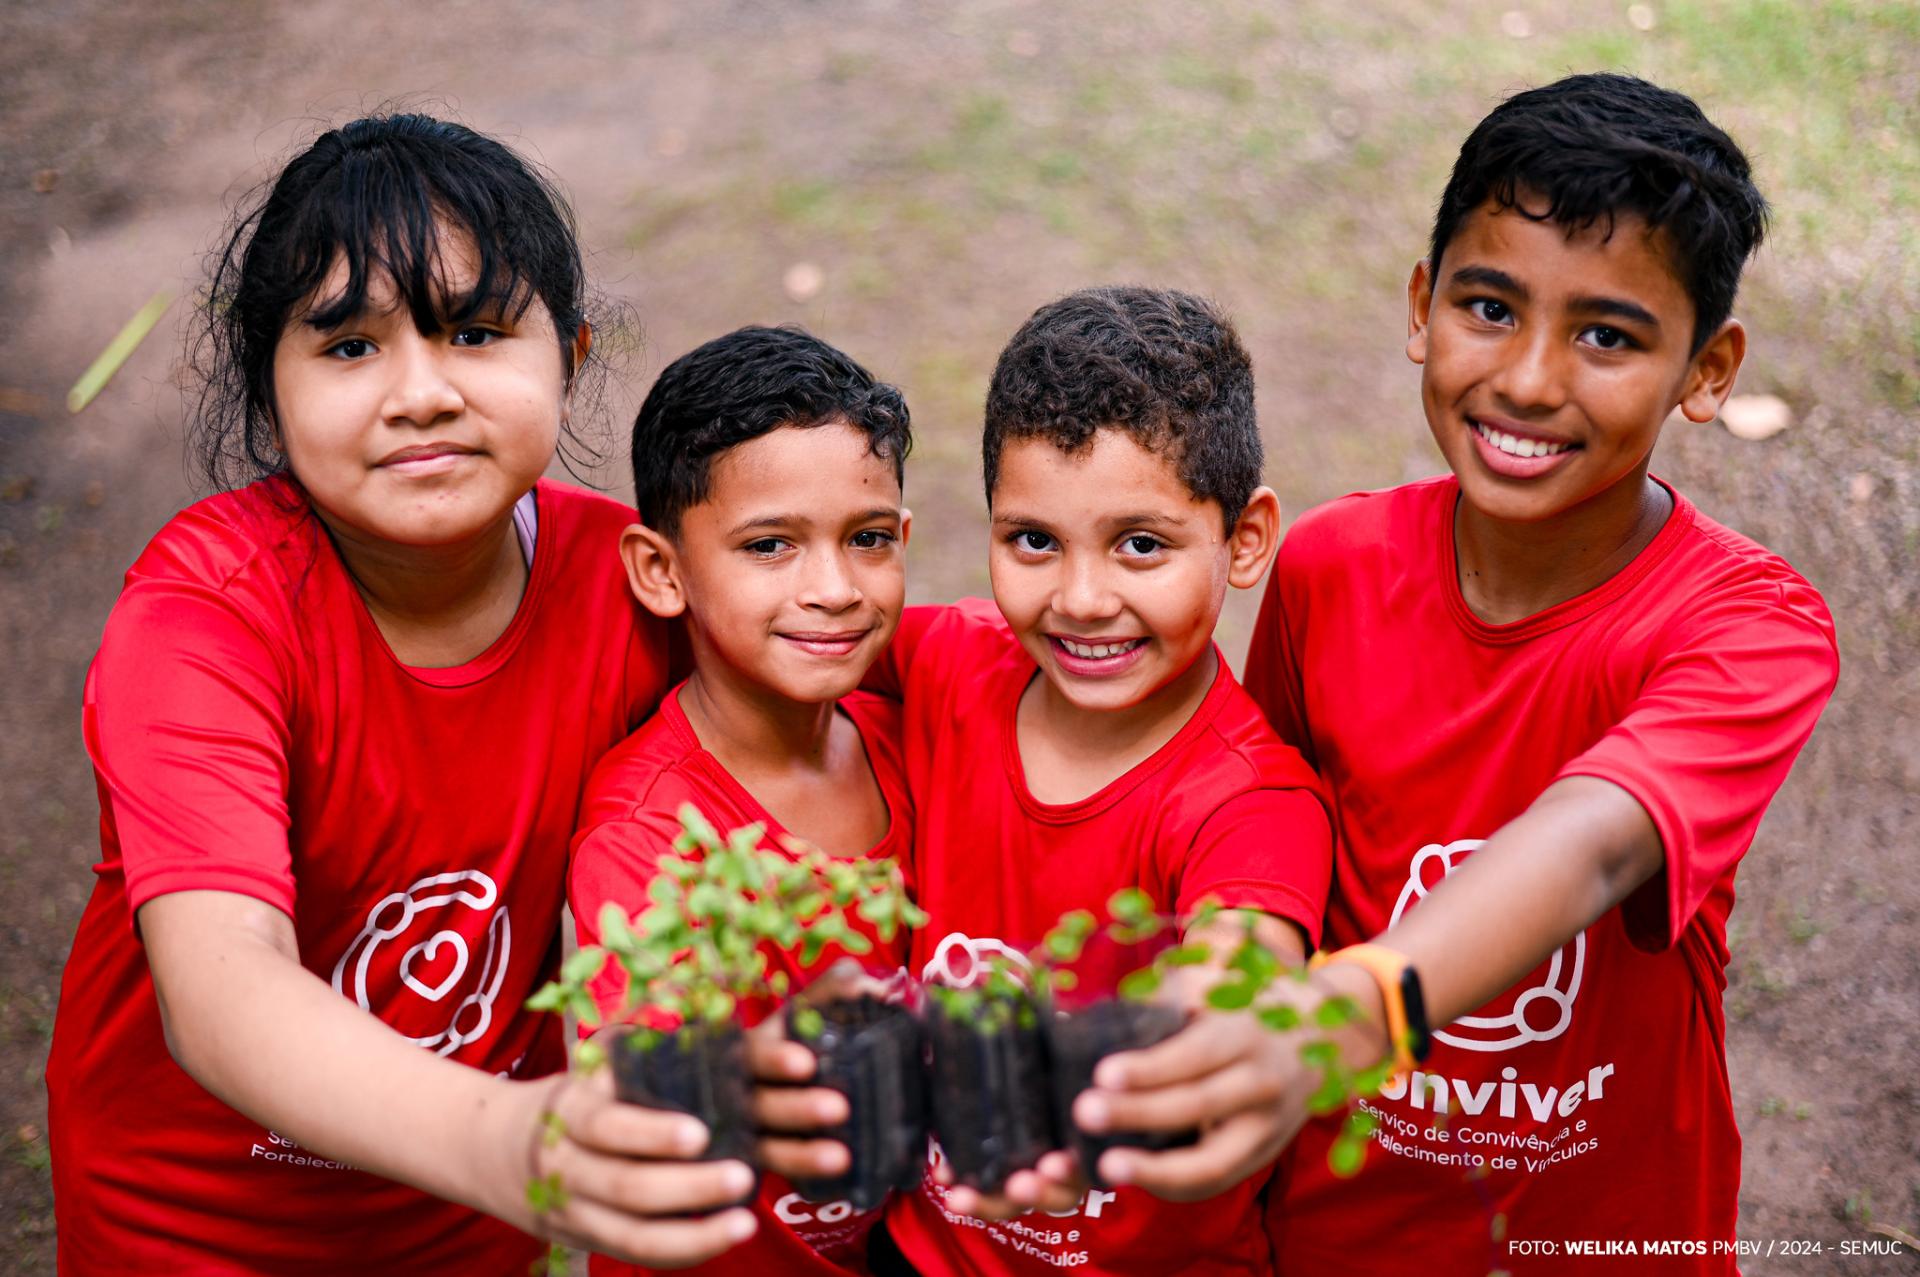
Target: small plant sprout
x,y
1246,977
718,906
721,907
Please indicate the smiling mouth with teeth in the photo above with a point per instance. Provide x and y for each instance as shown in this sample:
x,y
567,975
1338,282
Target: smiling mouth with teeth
x,y
1096,651
1513,445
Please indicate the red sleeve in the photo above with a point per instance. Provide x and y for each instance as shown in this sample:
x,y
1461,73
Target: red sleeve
x,y
1268,849
1273,667
186,720
616,861
1710,739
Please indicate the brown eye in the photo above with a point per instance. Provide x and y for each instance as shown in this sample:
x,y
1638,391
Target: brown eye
x,y
1032,540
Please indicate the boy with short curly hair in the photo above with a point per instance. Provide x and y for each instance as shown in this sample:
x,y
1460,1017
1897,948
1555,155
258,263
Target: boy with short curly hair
x,y
1553,700
1087,736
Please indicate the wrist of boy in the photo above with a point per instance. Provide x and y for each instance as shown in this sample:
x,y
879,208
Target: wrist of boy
x,y
1364,1041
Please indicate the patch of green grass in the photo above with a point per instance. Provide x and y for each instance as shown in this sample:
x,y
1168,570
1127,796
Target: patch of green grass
x,y
36,1157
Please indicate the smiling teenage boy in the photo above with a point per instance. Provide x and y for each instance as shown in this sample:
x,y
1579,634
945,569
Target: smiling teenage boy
x,y
1553,700
1088,736
767,469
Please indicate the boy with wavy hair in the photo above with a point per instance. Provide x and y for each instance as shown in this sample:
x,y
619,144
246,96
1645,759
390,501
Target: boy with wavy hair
x,y
1082,733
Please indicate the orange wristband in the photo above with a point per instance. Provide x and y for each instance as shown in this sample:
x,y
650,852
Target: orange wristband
x,y
1386,966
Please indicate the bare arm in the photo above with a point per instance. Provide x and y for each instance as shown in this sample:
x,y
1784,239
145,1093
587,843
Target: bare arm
x,y
1583,847
269,1038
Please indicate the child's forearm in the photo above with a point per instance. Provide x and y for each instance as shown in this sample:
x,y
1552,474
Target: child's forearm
x,y
269,1038
1583,847
263,1033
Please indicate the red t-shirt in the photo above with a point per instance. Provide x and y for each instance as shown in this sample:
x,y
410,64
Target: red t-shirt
x,y
629,823
252,732
1223,809
1589,1103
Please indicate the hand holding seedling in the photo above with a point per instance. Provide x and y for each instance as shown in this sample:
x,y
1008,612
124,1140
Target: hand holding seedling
x,y
1248,1081
791,1114
622,1180
690,962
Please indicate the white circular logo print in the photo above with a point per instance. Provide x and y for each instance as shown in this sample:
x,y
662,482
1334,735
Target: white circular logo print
x,y
439,962
1539,1013
961,960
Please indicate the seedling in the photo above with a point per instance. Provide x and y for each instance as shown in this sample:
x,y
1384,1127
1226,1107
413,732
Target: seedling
x,y
1084,1031
990,1100
699,954
866,1036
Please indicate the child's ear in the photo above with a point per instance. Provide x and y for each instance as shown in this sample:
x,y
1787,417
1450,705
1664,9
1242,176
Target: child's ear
x,y
653,570
906,526
578,350
1711,374
1254,540
1419,311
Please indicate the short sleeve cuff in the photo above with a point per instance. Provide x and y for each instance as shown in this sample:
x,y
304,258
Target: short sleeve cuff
x,y
155,881
1658,910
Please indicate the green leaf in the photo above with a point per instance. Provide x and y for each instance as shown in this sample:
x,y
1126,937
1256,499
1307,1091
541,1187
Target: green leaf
x,y
809,1023
1347,1156
551,996
1257,962
707,901
616,931
584,1009
547,1194
1236,996
697,826
1328,1096
1336,1011
1279,1018
1193,954
664,889
1369,1081
584,965
1319,1054
1130,907
1138,986
589,1055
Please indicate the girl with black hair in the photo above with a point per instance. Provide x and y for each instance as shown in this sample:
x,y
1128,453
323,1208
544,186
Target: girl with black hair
x,y
340,719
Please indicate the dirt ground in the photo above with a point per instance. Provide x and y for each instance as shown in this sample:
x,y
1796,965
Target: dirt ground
x,y
910,180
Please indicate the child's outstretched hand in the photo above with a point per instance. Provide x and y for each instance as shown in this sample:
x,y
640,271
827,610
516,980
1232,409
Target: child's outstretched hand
x,y
618,1178
1245,1086
1055,1184
792,1115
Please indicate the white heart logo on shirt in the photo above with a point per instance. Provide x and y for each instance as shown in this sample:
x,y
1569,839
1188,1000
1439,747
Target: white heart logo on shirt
x,y
426,949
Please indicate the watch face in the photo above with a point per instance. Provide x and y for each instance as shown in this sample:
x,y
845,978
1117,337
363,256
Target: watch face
x,y
1419,1035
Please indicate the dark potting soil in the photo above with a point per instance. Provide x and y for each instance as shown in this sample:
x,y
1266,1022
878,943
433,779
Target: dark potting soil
x,y
991,1110
874,1053
699,1070
1077,1041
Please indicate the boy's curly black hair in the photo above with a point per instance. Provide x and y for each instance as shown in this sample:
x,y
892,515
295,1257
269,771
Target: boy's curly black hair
x,y
1588,147
738,387
1166,367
